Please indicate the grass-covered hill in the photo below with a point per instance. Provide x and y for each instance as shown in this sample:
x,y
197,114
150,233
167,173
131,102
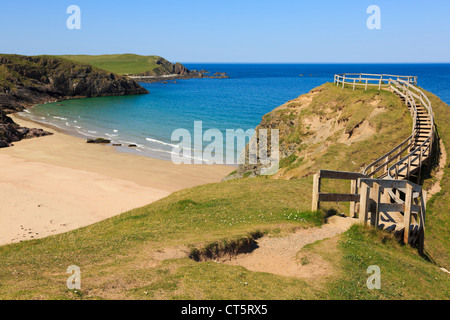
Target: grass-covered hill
x,y
136,255
120,63
331,128
133,64
27,80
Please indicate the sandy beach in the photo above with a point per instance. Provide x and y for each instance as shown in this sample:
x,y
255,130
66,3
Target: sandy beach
x,y
58,183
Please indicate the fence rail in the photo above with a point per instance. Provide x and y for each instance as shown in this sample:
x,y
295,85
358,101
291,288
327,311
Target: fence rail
x,y
352,197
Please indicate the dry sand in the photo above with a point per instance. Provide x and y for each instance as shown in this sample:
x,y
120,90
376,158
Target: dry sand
x,y
58,183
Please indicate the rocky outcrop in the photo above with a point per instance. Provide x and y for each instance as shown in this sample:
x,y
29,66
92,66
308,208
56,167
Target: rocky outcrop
x,y
26,81
11,132
98,140
167,70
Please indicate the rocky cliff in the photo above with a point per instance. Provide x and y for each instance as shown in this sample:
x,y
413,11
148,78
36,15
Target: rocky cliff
x,y
26,81
168,70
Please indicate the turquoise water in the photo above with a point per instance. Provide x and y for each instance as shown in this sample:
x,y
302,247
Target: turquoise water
x,y
236,103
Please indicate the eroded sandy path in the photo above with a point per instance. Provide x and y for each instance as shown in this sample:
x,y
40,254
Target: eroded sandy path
x,y
279,255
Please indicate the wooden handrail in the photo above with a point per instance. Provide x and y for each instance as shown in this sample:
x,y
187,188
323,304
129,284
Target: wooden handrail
x,y
397,167
403,86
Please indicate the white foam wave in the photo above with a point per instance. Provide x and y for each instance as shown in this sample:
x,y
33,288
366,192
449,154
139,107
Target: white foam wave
x,y
161,142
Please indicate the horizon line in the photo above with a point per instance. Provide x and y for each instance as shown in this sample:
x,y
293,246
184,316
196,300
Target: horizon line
x,y
330,62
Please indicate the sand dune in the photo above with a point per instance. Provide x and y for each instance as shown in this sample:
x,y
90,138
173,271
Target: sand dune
x,y
58,183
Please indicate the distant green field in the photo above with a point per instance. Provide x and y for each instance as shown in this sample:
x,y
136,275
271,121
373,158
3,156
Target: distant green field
x,y
118,63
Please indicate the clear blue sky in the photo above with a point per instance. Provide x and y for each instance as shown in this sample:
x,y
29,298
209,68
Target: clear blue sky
x,y
232,30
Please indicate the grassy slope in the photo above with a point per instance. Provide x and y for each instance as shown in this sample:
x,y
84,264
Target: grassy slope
x,y
115,255
117,251
118,63
438,208
404,274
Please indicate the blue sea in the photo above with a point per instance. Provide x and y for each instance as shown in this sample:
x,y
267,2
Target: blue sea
x,y
239,102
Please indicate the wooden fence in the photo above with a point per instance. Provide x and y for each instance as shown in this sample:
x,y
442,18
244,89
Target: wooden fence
x,y
370,199
383,189
352,197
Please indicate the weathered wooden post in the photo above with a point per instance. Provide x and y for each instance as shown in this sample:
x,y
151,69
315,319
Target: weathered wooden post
x,y
364,202
316,191
376,195
353,189
386,166
408,169
423,206
407,213
420,166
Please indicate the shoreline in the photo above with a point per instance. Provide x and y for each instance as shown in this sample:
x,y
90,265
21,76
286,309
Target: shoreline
x,y
58,183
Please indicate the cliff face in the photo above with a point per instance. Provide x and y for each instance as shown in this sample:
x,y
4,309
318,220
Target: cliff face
x,y
25,81
332,128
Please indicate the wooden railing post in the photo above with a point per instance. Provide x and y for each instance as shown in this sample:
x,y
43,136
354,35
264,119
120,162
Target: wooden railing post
x,y
408,169
386,166
364,202
374,196
420,166
376,210
407,213
423,206
316,191
353,189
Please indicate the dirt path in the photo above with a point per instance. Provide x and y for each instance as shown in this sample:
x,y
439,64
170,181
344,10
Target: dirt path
x,y
279,255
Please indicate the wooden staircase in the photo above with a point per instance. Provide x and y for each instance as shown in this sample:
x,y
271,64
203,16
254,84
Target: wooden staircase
x,y
384,194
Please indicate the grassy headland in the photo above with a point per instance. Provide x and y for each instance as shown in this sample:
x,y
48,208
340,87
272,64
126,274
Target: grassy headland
x,y
119,63
155,68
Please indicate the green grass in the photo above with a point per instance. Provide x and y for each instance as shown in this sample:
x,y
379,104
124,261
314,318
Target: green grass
x,y
437,234
116,249
118,63
403,273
